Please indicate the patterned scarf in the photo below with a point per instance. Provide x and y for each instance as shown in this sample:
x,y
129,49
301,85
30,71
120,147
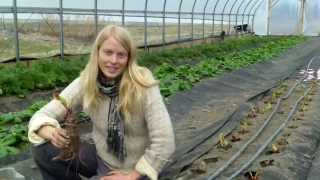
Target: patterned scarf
x,y
116,132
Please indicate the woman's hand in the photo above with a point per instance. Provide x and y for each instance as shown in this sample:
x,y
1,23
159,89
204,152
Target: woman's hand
x,y
119,175
57,136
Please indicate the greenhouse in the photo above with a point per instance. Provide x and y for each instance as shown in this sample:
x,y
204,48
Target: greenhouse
x,y
159,89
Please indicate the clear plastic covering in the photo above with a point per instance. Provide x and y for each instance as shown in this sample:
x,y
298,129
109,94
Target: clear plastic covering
x,y
228,13
285,18
36,3
312,16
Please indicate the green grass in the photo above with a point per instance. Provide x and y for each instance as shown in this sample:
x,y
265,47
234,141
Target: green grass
x,y
7,47
41,39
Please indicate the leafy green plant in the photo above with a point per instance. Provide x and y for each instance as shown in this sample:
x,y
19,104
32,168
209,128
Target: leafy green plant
x,y
11,137
22,116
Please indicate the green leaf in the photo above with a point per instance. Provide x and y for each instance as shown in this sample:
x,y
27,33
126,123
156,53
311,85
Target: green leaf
x,y
6,118
8,140
3,151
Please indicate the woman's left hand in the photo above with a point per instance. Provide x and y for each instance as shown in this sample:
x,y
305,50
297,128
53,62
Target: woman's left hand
x,y
119,175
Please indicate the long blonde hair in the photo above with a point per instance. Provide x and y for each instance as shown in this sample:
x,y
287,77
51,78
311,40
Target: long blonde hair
x,y
135,79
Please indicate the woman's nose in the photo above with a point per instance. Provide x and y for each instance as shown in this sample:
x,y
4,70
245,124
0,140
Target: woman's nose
x,y
114,58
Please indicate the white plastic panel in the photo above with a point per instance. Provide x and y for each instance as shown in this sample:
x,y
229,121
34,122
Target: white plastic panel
x,y
81,4
37,3
312,18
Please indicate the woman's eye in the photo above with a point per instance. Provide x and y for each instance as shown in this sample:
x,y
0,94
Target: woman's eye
x,y
109,53
122,55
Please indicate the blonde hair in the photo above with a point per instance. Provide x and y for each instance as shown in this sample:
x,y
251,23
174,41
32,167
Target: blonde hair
x,y
135,79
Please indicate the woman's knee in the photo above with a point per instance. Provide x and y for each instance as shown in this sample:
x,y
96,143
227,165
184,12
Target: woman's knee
x,y
85,162
88,159
44,153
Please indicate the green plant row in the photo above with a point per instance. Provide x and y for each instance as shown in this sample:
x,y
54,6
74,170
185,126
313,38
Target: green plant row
x,y
181,78
178,56
173,79
13,129
20,79
47,74
21,116
11,137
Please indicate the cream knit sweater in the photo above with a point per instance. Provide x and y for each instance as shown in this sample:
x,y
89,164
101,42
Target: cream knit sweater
x,y
149,139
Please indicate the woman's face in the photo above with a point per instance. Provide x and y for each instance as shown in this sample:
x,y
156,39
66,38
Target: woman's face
x,y
113,58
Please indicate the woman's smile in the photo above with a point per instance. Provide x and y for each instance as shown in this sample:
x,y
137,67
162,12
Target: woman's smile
x,y
112,69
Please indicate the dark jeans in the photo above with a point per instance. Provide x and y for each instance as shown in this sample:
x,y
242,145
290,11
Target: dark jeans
x,y
87,163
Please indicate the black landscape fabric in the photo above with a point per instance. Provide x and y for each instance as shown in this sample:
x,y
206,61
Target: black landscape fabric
x,y
227,95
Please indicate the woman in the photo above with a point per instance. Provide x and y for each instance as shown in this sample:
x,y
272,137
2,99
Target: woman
x,y
132,131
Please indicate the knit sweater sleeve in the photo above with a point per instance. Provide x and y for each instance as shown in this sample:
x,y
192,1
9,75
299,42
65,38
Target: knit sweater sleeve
x,y
54,112
162,143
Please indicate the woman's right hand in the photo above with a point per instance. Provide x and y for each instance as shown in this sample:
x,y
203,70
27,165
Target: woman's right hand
x,y
57,136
